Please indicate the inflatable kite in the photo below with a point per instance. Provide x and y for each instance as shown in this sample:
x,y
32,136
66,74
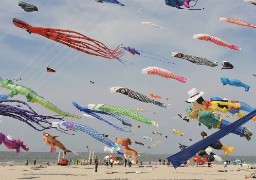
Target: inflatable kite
x,y
206,156
4,97
146,137
183,156
195,59
32,96
184,118
163,73
110,1
177,132
65,125
157,133
234,82
27,7
238,22
215,40
136,95
218,145
182,147
72,39
157,96
227,65
12,143
93,113
149,55
152,24
49,69
251,1
122,112
141,110
178,3
140,143
54,143
28,116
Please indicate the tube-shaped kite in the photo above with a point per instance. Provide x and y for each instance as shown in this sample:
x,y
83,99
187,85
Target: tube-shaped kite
x,y
65,125
238,22
136,95
72,39
195,59
234,82
215,40
163,73
122,112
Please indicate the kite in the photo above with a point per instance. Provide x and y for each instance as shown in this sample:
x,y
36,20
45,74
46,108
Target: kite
x,y
53,143
141,110
32,96
136,95
238,22
140,143
163,73
216,40
157,133
28,116
146,137
218,145
110,1
153,56
93,113
122,112
65,125
183,117
157,96
227,65
195,59
49,69
234,82
73,40
175,131
207,155
152,24
27,7
182,147
251,1
183,156
12,143
179,3
158,142
4,97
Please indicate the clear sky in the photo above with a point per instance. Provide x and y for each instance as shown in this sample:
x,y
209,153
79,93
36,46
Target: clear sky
x,y
26,56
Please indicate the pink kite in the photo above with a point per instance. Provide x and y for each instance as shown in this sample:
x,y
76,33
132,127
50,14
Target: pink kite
x,y
163,72
215,40
238,22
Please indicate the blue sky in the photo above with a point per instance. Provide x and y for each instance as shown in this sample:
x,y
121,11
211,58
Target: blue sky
x,y
27,56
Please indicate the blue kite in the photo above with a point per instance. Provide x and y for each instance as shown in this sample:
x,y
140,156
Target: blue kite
x,y
110,1
179,3
234,82
183,156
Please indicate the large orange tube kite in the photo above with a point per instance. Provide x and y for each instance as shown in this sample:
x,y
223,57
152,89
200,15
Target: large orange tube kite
x,y
72,39
238,22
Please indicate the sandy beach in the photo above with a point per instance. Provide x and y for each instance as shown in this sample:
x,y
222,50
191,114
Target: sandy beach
x,y
10,172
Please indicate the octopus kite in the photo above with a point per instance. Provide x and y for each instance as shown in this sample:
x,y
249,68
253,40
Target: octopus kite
x,y
122,112
32,96
65,125
216,40
195,59
238,22
12,143
136,95
163,73
72,39
28,116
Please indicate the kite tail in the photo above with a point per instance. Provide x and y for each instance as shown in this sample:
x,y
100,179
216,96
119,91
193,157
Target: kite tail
x,y
235,48
181,79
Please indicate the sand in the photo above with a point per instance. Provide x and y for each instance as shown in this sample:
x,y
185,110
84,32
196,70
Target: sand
x,y
120,172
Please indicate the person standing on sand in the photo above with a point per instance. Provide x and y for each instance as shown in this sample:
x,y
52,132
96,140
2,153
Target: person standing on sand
x,y
96,162
125,162
35,162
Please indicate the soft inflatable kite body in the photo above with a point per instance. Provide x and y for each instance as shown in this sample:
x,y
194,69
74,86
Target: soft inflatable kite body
x,y
122,112
238,22
178,3
136,95
72,39
32,96
234,82
12,143
163,73
27,7
227,65
110,1
215,40
195,59
251,1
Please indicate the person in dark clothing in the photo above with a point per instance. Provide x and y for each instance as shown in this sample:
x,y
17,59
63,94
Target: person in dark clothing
x,y
35,162
26,163
125,162
96,162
